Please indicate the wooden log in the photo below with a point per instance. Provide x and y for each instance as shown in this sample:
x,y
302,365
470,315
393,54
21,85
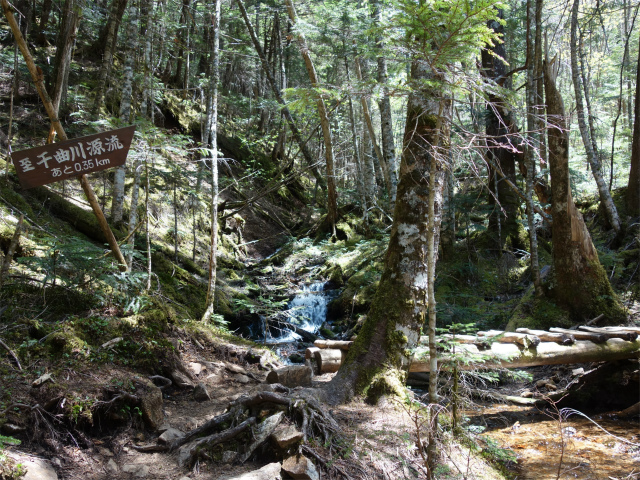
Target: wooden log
x,y
624,329
625,335
511,355
329,360
580,335
339,344
291,376
526,341
561,338
310,352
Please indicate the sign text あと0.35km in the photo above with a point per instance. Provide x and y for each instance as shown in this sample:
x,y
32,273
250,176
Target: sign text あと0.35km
x,y
58,161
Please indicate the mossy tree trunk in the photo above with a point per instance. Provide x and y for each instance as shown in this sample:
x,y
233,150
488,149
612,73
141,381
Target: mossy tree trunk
x,y
379,359
581,284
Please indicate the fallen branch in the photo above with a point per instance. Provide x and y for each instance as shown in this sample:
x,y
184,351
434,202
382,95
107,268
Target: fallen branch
x,y
15,357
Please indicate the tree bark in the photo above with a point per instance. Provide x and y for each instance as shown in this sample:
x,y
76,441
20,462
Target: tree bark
x,y
633,188
378,361
332,196
581,284
500,128
214,79
64,47
592,155
115,17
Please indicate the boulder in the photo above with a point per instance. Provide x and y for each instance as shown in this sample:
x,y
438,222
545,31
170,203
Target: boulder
x,y
200,393
268,472
286,436
169,435
181,380
300,468
37,468
151,406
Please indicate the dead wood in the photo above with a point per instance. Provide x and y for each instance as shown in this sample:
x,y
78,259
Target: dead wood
x,y
189,453
15,357
561,338
629,336
581,335
163,381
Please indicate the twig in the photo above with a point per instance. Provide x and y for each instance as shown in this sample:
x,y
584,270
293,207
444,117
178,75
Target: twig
x,y
15,357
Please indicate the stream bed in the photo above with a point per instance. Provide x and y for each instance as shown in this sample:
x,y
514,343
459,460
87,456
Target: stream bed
x,y
576,448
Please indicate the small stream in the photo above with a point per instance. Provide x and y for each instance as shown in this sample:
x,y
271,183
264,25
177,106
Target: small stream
x,y
575,448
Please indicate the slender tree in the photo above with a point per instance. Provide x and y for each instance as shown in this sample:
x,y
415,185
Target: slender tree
x,y
212,123
592,155
332,195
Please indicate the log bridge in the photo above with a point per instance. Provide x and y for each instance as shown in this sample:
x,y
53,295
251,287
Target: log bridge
x,y
522,348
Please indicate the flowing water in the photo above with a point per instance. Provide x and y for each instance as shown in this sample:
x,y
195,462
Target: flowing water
x,y
307,310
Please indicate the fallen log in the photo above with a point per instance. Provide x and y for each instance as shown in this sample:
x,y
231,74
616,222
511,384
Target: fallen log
x,y
617,333
310,352
510,355
561,338
526,341
340,344
581,335
624,329
291,376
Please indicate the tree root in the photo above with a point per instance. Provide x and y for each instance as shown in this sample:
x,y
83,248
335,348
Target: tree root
x,y
258,415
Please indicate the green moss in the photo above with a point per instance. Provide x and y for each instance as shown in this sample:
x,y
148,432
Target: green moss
x,y
538,314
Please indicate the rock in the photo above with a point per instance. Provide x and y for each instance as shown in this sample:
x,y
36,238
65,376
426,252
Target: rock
x,y
180,379
164,427
196,368
240,378
37,468
136,469
111,467
577,371
263,432
139,437
215,378
42,380
268,472
542,383
526,394
169,435
286,435
292,376
200,393
228,456
300,468
184,478
235,368
296,358
151,406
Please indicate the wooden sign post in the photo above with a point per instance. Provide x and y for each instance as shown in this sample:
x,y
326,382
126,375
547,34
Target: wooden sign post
x,y
38,80
58,161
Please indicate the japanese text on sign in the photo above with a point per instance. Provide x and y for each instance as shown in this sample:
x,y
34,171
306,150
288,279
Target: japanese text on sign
x,y
51,163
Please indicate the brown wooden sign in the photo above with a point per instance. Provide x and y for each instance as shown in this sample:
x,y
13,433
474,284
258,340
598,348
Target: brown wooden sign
x,y
59,161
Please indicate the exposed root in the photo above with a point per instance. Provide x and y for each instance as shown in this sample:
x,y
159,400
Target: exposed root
x,y
250,420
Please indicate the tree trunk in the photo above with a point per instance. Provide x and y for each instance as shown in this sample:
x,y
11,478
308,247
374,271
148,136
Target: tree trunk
x,y
378,361
117,201
500,128
592,155
633,189
332,196
115,17
214,79
581,284
386,120
533,144
64,47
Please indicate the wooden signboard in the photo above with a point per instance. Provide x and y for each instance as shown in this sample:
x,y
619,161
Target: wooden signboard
x,y
71,158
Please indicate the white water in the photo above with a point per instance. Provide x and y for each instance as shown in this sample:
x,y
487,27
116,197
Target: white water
x,y
307,310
